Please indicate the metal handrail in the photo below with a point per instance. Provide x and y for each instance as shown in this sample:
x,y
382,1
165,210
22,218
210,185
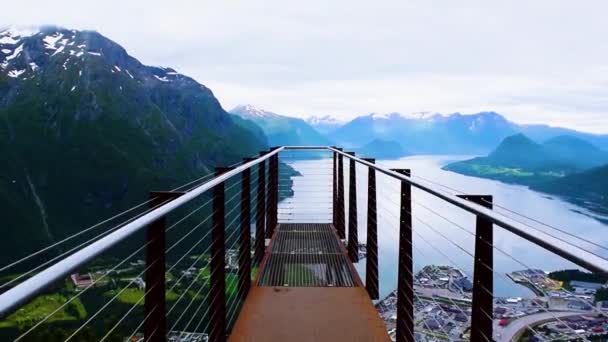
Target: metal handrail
x,y
502,221
28,289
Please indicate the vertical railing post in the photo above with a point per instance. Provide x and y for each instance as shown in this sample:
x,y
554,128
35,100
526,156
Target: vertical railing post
x,y
353,229
483,281
405,276
268,204
260,215
155,326
340,228
335,190
273,172
371,258
245,236
217,293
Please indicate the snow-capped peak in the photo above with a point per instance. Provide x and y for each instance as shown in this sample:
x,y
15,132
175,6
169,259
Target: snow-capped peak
x,y
12,35
20,48
251,111
411,116
325,120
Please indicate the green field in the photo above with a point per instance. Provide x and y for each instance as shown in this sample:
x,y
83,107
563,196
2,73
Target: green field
x,y
487,170
504,173
41,307
134,296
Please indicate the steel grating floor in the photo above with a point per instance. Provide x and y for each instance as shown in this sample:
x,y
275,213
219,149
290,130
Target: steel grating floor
x,y
306,255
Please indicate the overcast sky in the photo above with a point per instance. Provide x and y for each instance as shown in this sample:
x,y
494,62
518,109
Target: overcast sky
x,y
533,61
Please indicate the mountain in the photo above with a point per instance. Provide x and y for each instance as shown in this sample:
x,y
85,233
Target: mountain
x,y
544,132
87,131
518,159
325,124
251,127
429,133
279,129
381,149
588,188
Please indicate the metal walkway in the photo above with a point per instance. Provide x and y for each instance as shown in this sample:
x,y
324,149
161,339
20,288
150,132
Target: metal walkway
x,y
306,254
308,290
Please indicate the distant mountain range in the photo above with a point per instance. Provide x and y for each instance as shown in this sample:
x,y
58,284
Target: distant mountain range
x,y
281,129
417,133
87,131
564,165
446,134
325,124
381,149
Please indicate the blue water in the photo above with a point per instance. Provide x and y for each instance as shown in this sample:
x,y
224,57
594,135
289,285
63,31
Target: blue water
x,y
436,240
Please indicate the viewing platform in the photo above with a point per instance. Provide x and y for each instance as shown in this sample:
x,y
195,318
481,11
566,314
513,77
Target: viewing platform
x,y
264,250
308,290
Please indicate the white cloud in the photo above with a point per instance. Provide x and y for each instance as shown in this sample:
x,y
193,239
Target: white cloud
x,y
535,61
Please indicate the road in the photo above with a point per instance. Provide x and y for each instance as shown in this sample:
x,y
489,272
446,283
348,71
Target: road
x,y
507,333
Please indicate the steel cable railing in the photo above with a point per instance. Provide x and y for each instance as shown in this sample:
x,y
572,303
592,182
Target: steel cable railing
x,y
194,263
308,181
462,249
450,260
37,283
80,246
95,226
380,215
485,213
453,191
451,241
148,290
231,286
254,191
204,284
181,239
253,219
107,303
410,213
589,251
91,285
207,325
431,298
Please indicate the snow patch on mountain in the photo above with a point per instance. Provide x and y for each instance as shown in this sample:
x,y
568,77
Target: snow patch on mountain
x,y
15,53
252,112
411,116
19,32
162,79
51,40
8,40
15,73
325,120
30,51
13,35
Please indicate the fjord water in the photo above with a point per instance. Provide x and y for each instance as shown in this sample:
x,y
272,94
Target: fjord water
x,y
447,240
